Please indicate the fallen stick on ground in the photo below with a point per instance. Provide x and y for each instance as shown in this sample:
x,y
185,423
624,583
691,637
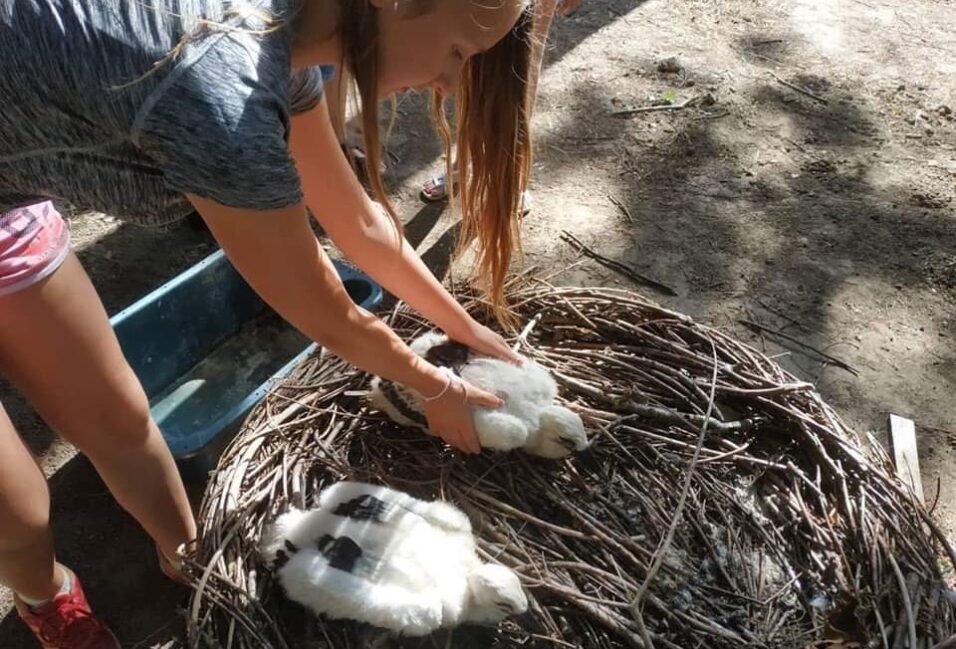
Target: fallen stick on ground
x,y
621,206
687,103
802,91
830,359
616,265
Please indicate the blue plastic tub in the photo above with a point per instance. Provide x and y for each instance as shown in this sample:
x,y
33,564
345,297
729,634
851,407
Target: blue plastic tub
x,y
207,349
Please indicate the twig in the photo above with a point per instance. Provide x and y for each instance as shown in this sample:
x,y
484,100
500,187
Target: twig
x,y
684,419
949,643
799,146
905,593
616,265
802,91
621,206
720,115
687,103
653,413
780,314
832,359
939,487
523,336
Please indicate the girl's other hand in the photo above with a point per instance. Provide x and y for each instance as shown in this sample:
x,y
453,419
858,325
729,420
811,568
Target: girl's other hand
x,y
568,7
449,415
484,341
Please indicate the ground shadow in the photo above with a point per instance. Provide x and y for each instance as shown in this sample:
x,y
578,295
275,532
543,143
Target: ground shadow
x,y
695,196
145,258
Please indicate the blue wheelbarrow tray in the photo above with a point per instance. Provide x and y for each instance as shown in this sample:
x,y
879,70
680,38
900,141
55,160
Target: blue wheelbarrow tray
x,y
207,349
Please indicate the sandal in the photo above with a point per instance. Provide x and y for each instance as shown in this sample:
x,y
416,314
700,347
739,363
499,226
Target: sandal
x,y
173,569
435,189
527,202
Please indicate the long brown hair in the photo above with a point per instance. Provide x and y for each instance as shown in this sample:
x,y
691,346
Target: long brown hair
x,y
492,127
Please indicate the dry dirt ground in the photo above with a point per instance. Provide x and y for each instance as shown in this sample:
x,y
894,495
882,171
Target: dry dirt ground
x,y
829,218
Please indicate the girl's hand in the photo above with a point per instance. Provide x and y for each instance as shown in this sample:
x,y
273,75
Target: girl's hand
x,y
485,341
449,415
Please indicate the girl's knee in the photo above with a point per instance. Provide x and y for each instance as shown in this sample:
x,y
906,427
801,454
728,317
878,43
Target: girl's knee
x,y
122,420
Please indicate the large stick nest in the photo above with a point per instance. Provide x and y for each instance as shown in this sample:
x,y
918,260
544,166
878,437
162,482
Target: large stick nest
x,y
791,532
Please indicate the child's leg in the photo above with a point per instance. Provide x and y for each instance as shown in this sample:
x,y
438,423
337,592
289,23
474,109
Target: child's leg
x,y
334,90
57,347
26,546
539,38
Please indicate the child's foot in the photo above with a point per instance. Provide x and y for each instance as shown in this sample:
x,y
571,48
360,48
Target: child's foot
x,y
435,189
66,621
527,202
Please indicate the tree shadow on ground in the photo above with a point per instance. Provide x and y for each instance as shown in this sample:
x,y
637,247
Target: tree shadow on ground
x,y
739,229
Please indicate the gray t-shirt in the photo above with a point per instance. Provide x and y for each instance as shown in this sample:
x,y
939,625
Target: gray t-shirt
x,y
87,116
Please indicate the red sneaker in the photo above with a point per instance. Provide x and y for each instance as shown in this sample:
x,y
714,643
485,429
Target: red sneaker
x,y
66,622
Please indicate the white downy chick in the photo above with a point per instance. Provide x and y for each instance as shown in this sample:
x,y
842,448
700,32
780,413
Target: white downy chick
x,y
529,419
380,556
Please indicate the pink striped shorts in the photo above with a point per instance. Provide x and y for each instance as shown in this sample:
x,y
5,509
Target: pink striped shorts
x,y
34,241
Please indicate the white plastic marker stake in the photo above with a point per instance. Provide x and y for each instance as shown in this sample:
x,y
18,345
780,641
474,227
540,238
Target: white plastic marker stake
x,y
903,448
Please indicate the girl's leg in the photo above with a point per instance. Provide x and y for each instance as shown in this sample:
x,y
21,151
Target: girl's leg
x,y
539,38
58,349
26,545
57,612
333,91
